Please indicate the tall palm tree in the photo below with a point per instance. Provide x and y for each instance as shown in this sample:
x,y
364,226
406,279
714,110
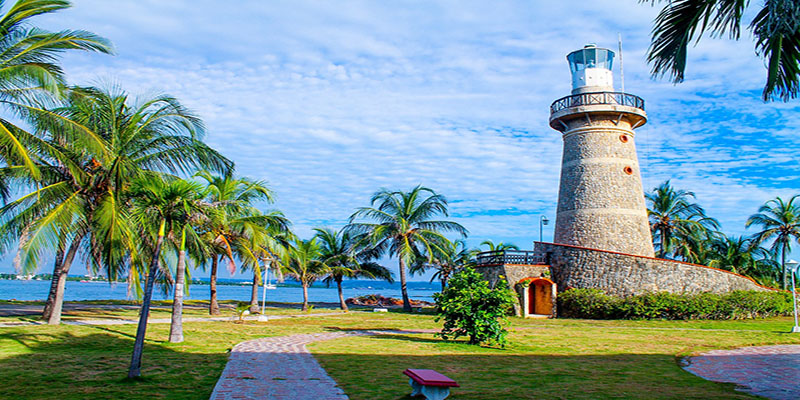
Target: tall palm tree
x,y
675,219
453,256
741,256
775,29
399,223
303,261
261,240
779,221
167,205
226,233
89,152
344,254
499,246
30,77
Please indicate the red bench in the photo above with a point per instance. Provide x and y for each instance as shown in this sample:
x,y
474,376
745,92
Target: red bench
x,y
429,383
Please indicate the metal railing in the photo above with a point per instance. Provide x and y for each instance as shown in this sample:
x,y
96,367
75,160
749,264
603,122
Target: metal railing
x,y
509,257
585,99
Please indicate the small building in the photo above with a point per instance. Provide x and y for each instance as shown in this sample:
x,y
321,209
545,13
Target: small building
x,y
527,275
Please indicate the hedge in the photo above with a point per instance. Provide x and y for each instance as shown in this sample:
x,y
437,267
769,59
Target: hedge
x,y
595,304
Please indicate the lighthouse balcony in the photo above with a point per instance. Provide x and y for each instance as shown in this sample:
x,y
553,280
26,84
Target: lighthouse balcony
x,y
597,98
612,105
509,257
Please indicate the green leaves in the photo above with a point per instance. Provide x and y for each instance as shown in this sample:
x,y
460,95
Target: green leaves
x,y
470,308
776,29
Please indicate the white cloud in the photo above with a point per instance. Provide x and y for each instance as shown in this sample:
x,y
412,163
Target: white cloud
x,y
331,100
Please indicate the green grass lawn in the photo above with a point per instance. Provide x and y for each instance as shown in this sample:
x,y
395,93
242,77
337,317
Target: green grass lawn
x,y
545,358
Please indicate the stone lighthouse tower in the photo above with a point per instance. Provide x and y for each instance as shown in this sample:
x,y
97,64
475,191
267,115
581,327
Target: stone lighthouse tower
x,y
600,199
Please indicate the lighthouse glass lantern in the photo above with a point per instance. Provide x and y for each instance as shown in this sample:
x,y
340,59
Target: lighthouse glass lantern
x,y
591,69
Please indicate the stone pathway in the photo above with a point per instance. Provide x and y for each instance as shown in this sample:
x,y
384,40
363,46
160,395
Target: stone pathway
x,y
769,371
282,368
120,321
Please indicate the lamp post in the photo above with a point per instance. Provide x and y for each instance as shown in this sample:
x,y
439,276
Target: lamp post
x,y
263,317
793,266
542,221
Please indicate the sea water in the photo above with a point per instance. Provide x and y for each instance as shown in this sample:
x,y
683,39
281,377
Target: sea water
x,y
284,293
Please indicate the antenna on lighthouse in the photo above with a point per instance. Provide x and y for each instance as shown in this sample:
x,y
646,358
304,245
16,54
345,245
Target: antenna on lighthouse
x,y
621,71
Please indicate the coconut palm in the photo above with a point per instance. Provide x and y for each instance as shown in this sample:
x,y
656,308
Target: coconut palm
x,y
739,255
775,29
226,233
499,246
779,221
453,256
399,223
344,254
303,261
675,220
160,208
262,238
87,154
30,77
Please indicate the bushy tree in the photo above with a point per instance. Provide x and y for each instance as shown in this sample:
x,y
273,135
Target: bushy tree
x,y
469,307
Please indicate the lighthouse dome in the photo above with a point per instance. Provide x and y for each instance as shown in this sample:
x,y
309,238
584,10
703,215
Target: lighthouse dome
x,y
591,69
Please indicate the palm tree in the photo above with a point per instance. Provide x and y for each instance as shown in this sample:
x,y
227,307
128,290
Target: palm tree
x,y
499,246
675,219
780,223
740,255
403,227
344,255
302,261
227,231
168,205
775,30
29,75
90,150
453,256
199,211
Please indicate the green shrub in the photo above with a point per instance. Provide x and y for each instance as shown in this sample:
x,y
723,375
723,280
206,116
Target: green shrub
x,y
470,308
595,304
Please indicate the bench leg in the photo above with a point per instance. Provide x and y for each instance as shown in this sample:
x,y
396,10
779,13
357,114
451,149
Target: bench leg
x,y
435,393
415,387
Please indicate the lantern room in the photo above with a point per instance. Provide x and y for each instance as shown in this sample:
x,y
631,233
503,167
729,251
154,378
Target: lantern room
x,y
591,69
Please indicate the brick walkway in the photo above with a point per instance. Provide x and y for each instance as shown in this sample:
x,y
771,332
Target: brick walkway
x,y
282,368
769,371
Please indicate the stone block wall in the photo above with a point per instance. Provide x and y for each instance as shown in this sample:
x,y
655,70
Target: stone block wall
x,y
625,275
513,273
601,201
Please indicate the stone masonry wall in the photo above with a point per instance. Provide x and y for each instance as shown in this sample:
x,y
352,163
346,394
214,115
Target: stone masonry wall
x,y
513,273
625,275
601,201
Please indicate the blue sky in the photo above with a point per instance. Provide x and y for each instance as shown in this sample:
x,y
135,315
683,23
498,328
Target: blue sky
x,y
330,101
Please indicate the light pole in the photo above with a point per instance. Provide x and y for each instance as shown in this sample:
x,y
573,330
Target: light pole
x,y
793,266
542,221
263,317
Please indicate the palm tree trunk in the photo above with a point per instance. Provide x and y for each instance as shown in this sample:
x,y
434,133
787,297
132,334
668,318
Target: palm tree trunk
x,y
176,325
58,299
403,288
783,264
342,304
213,306
305,296
135,369
254,294
51,296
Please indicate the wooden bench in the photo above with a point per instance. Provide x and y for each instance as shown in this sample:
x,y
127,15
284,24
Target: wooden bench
x,y
429,383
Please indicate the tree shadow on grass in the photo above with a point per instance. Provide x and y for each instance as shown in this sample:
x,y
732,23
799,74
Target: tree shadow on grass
x,y
493,376
63,365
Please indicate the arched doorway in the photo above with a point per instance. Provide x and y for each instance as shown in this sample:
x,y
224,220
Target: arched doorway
x,y
540,295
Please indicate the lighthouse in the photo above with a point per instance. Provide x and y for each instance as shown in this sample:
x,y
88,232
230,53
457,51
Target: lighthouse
x,y
601,203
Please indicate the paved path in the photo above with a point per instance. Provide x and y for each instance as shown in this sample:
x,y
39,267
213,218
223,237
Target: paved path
x,y
282,368
769,371
161,320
